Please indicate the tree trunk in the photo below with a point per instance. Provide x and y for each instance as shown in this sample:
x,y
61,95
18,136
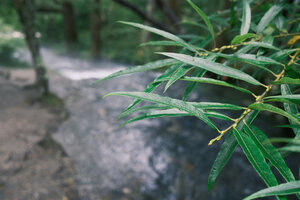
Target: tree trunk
x,y
149,12
69,24
26,12
95,29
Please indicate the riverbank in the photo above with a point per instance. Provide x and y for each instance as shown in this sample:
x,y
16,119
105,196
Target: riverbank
x,y
33,165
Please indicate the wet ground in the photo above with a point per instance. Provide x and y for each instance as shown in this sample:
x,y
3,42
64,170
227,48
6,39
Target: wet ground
x,y
166,158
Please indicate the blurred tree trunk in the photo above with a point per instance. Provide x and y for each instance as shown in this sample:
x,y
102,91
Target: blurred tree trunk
x,y
26,12
95,29
149,12
69,24
174,21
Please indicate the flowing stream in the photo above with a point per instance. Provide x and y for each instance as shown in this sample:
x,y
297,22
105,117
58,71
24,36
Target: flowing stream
x,y
164,159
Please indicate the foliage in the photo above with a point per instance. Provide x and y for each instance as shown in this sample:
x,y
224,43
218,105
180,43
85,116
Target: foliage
x,y
266,35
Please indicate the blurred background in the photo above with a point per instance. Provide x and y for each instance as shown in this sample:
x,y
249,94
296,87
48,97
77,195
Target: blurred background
x,y
59,139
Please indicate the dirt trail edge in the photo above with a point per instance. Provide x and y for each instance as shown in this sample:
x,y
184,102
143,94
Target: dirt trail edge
x,y
32,165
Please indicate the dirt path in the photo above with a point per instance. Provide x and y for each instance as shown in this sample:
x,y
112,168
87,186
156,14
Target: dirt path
x,y
32,165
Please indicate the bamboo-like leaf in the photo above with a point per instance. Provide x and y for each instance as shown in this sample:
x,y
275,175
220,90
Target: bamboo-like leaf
x,y
172,113
211,66
141,68
214,105
264,45
291,109
181,71
255,157
215,82
269,151
271,108
191,85
246,19
268,17
143,108
291,148
174,103
227,149
251,59
152,86
157,114
162,33
287,80
241,38
282,189
205,19
161,43
292,99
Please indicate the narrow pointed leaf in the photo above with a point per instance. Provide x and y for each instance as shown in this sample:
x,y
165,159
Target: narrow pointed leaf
x,y
141,68
152,86
268,17
255,157
211,66
291,148
191,85
227,149
287,80
241,38
161,43
215,82
291,109
246,19
181,71
162,33
282,189
143,108
269,151
286,140
174,103
264,45
205,19
214,105
291,99
271,108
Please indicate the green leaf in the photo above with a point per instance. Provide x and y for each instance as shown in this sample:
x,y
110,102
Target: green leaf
x,y
255,157
205,19
172,113
143,108
156,114
162,33
214,105
227,149
269,151
211,66
291,148
173,103
140,68
161,43
246,19
241,38
292,99
191,85
287,80
152,86
258,61
251,59
291,109
264,45
181,71
271,108
282,189
215,82
268,17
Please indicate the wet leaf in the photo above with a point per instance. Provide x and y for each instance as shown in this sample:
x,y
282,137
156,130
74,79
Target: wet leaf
x,y
282,189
